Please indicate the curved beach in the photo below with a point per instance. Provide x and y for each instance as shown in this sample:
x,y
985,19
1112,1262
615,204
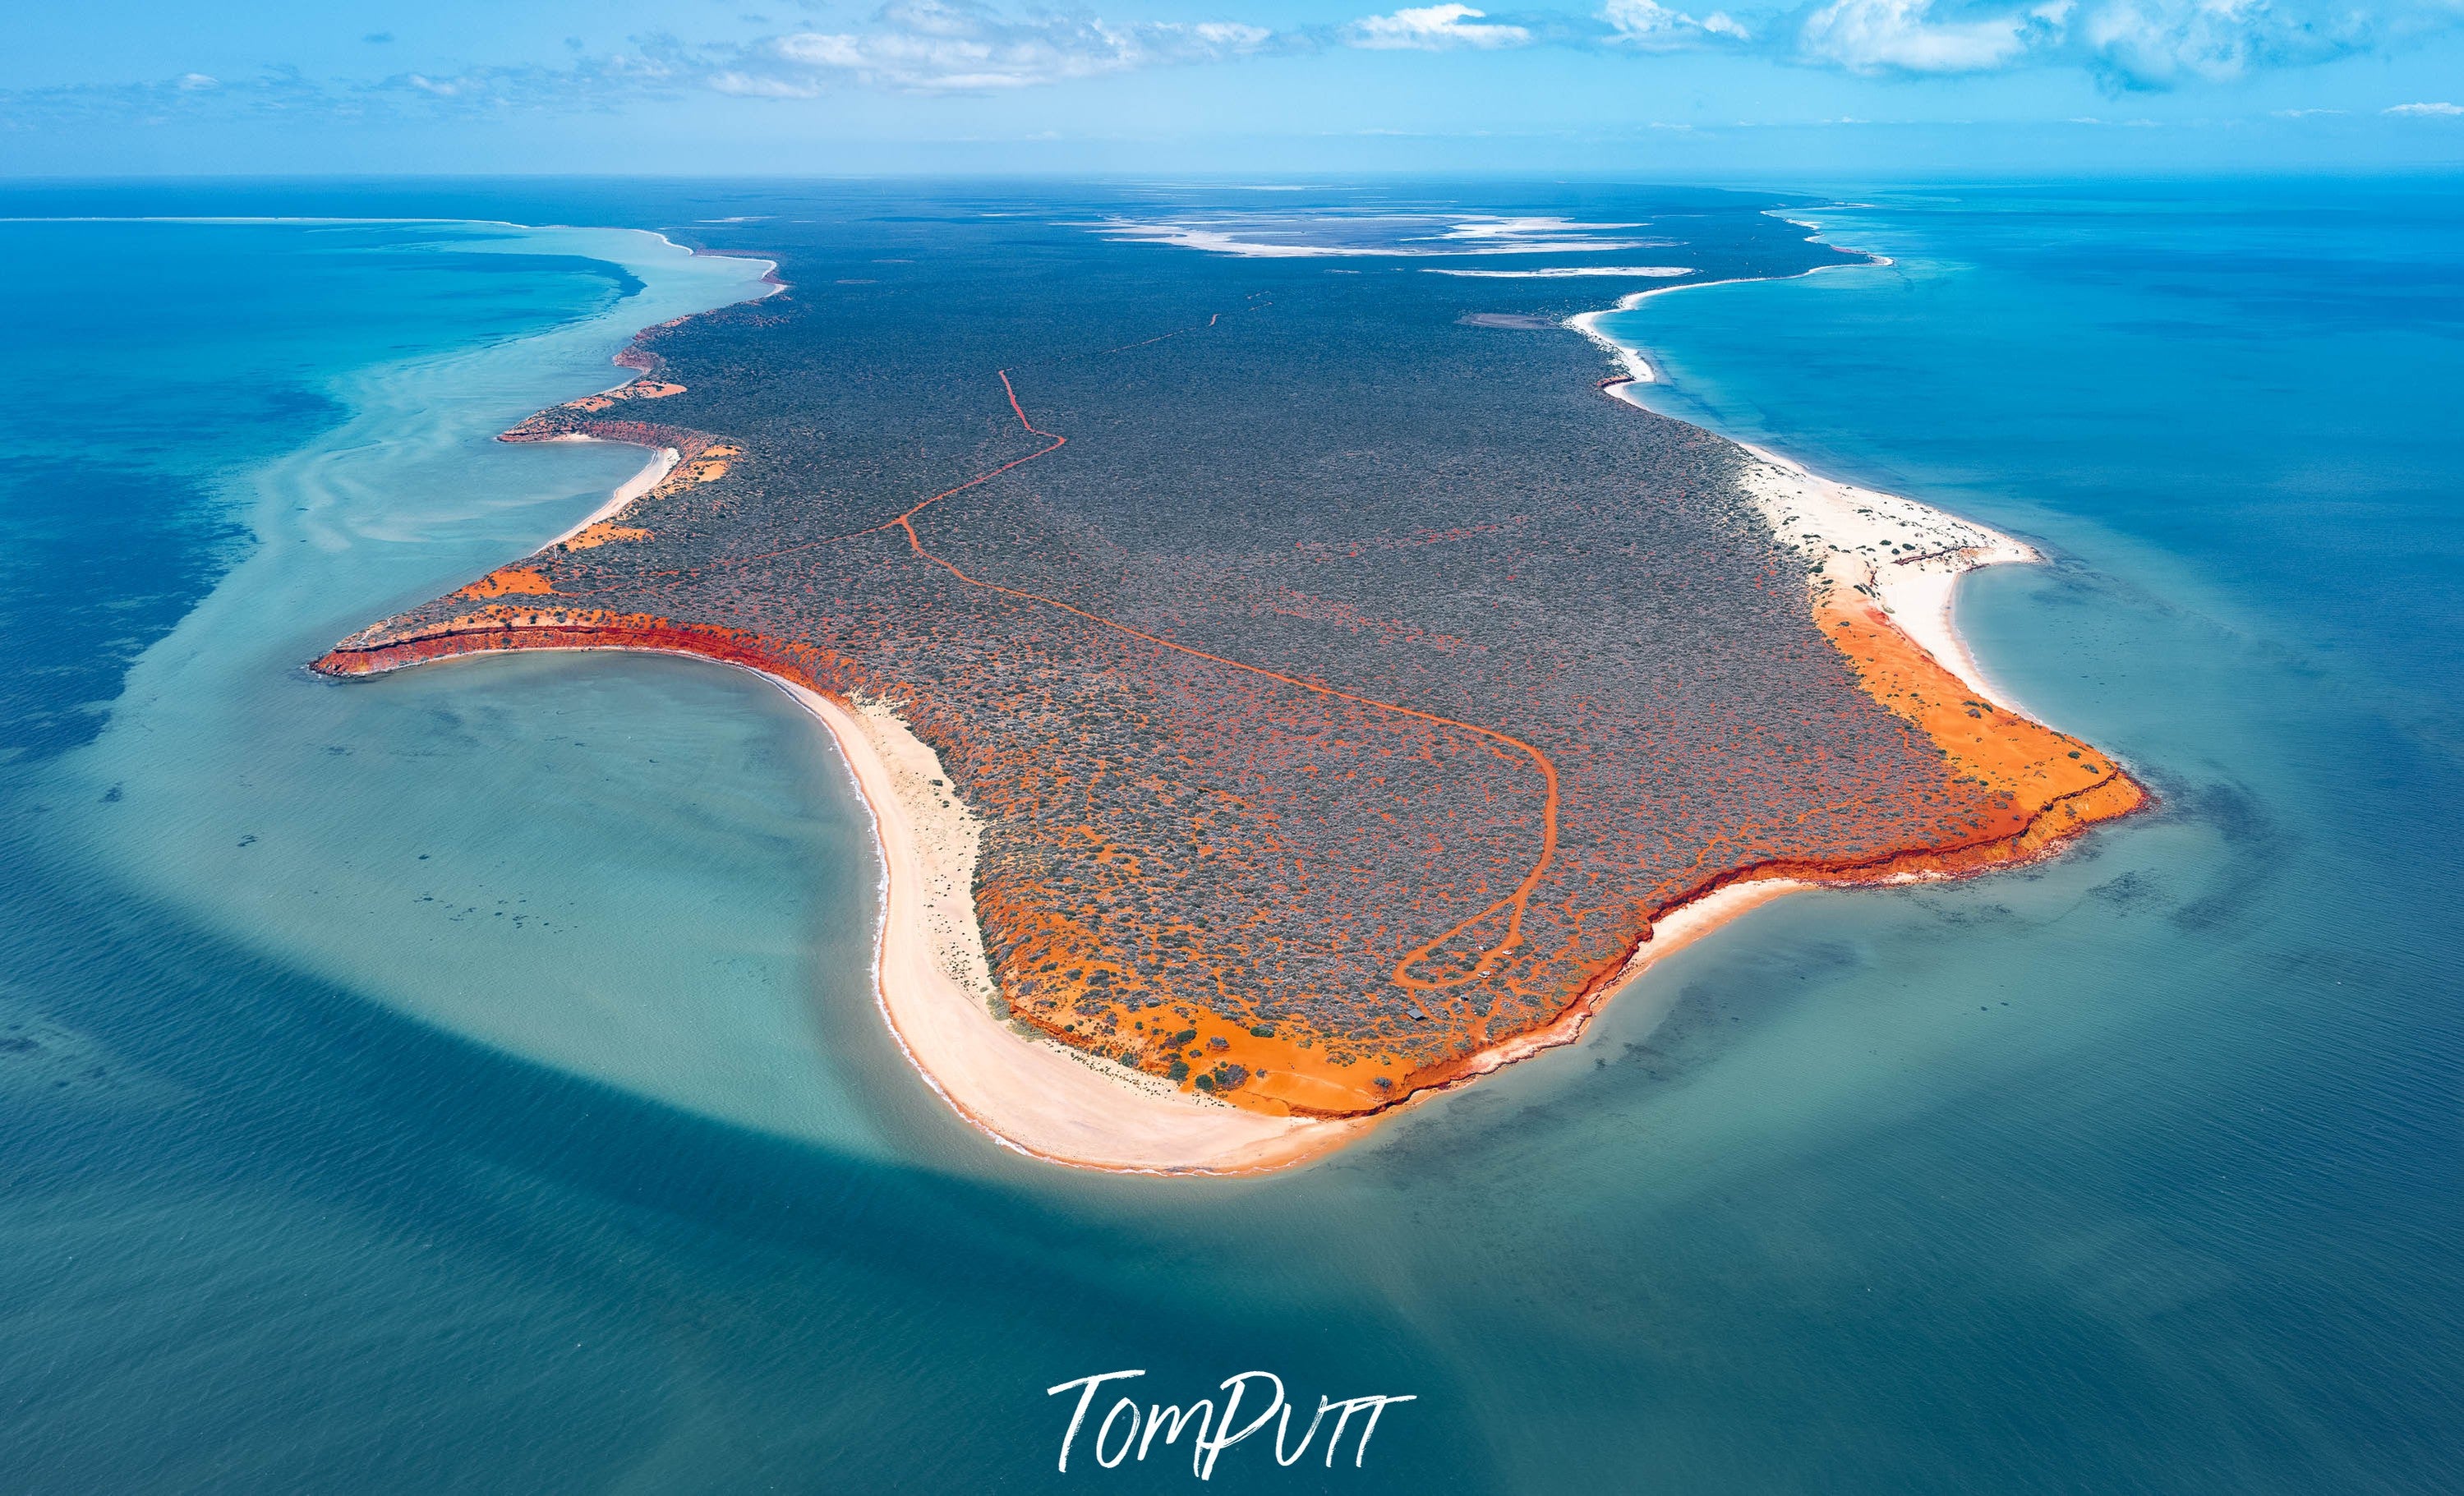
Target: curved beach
x,y
935,991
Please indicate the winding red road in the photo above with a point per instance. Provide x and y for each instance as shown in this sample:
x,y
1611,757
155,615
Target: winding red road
x,y
1513,905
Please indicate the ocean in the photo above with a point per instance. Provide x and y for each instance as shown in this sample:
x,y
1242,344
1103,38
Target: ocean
x,y
469,1080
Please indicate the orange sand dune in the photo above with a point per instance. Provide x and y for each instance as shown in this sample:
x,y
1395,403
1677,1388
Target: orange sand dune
x,y
604,532
508,581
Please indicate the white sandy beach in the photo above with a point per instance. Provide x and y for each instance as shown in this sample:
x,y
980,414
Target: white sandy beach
x,y
1908,557
654,473
1632,359
936,989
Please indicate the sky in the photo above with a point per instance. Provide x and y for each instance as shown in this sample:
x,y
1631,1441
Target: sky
x,y
1674,88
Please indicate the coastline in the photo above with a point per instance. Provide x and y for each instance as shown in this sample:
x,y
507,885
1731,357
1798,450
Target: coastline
x,y
663,461
932,987
1836,523
935,989
1634,361
1039,1097
1829,521
1906,558
931,981
1678,927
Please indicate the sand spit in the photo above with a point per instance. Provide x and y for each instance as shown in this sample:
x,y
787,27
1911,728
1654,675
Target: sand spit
x,y
1637,367
1905,555
936,989
1569,272
1908,557
930,978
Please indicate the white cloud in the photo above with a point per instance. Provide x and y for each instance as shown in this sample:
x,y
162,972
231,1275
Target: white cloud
x,y
1230,34
1653,27
2154,43
755,85
945,45
2127,44
955,46
1905,37
1434,28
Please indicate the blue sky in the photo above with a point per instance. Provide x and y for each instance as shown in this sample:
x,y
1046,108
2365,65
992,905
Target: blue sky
x,y
1670,87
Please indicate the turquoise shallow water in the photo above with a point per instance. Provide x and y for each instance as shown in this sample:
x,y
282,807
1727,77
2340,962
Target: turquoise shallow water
x,y
155,364
527,854
405,1148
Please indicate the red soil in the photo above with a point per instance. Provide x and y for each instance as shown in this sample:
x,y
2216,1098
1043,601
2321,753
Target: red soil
x,y
2040,787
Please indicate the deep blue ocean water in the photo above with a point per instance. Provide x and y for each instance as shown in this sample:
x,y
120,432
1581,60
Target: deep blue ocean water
x,y
350,1140
153,362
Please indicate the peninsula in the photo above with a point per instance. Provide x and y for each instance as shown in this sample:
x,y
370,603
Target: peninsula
x,y
1285,685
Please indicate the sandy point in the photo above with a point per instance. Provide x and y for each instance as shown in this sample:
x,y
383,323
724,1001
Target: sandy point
x,y
936,989
661,463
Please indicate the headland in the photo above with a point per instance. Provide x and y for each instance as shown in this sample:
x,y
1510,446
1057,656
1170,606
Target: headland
x,y
1381,756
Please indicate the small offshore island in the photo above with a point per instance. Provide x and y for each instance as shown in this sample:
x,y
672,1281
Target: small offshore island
x,y
1286,682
